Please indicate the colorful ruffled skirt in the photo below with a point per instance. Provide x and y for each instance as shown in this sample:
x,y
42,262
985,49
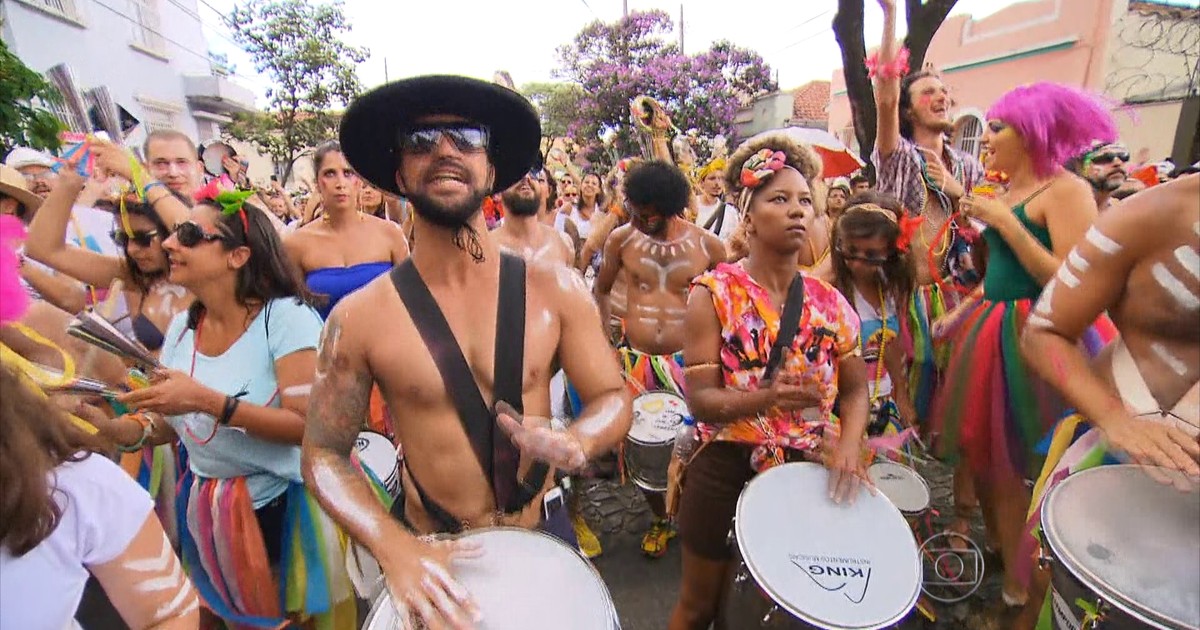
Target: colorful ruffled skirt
x,y
927,357
992,408
226,557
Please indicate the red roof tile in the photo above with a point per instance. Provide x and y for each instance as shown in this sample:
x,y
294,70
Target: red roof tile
x,y
811,101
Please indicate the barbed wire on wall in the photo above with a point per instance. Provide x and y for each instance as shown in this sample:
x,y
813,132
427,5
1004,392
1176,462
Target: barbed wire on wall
x,y
1157,56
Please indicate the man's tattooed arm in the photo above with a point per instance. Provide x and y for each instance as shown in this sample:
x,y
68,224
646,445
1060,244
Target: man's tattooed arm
x,y
338,405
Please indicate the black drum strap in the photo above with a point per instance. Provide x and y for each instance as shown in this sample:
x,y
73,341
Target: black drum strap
x,y
789,325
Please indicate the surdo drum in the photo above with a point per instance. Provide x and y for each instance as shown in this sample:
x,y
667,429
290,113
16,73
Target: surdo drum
x,y
903,486
377,453
657,417
805,562
525,580
1124,551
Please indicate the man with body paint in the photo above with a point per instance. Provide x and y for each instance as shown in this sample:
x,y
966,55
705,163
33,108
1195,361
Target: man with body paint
x,y
1141,395
661,253
929,177
444,143
522,233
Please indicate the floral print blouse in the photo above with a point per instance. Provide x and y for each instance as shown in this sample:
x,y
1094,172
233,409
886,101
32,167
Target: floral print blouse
x,y
828,332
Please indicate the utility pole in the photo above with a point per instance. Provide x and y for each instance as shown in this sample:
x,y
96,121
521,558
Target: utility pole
x,y
625,8
681,51
385,72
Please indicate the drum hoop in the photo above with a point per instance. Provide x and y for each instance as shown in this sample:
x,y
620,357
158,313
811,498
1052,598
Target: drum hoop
x,y
919,477
792,610
1090,580
631,439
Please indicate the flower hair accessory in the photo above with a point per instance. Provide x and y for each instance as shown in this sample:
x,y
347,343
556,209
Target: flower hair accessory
x,y
234,202
909,224
759,167
894,70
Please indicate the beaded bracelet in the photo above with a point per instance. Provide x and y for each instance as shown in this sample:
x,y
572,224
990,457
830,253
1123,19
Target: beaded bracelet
x,y
148,426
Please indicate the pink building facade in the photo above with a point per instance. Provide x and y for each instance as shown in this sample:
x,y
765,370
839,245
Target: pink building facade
x,y
1077,42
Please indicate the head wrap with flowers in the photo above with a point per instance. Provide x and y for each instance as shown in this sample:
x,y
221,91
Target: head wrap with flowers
x,y
908,223
229,199
756,170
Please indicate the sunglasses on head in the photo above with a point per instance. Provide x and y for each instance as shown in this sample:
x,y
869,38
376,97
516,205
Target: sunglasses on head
x,y
1107,158
467,137
537,174
190,234
142,237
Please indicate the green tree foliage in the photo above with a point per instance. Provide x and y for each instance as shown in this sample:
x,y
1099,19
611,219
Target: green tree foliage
x,y
298,46
23,122
558,104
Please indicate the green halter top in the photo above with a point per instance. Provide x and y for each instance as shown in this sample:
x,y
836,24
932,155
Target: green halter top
x,y
1006,278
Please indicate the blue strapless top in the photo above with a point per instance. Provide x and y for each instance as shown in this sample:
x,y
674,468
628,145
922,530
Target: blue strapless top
x,y
337,282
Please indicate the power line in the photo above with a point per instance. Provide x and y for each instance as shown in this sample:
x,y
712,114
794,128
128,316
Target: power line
x,y
203,56
823,13
801,41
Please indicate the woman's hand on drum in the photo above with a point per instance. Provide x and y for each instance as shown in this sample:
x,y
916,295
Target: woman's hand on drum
x,y
421,588
1153,444
560,449
847,470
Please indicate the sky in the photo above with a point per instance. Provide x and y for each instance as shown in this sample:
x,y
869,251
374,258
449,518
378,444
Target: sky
x,y
478,37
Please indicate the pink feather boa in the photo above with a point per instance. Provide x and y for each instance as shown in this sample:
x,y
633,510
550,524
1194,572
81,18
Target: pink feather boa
x,y
14,301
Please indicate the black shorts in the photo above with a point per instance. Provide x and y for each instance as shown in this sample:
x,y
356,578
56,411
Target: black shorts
x,y
270,521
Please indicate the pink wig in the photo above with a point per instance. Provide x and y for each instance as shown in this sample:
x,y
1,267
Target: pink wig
x,y
1055,121
13,299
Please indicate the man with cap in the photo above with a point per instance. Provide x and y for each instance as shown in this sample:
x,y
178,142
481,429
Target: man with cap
x,y
1106,167
712,213
462,339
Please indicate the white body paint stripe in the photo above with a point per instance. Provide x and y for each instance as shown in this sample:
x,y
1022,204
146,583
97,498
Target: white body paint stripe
x,y
1173,362
1102,242
1068,278
1037,321
153,564
297,390
162,583
1077,261
1181,293
1188,259
1043,305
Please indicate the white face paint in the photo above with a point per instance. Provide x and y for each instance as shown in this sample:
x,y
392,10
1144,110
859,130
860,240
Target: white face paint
x,y
1102,242
335,491
1188,259
1164,354
297,390
1175,287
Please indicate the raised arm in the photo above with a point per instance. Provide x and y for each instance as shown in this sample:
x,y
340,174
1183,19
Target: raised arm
x,y
1090,282
887,88
47,239
121,162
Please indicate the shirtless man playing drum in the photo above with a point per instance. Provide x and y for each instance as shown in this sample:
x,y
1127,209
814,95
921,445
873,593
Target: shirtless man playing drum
x,y
661,252
522,233
444,143
1142,393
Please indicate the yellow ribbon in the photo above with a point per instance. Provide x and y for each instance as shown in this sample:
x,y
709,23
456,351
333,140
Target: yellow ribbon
x,y
36,377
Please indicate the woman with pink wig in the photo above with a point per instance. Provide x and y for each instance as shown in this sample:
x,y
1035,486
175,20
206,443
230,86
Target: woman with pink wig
x,y
992,410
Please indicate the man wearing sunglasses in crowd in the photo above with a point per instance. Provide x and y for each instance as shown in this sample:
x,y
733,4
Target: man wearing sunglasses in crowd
x,y
1105,167
521,232
461,339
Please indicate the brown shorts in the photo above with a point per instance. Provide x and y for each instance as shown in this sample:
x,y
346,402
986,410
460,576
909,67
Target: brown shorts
x,y
713,482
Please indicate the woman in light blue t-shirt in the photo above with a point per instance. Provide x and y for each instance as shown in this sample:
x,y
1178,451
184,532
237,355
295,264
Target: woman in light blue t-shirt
x,y
238,366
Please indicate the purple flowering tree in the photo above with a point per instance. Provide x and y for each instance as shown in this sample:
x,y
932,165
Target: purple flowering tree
x,y
613,63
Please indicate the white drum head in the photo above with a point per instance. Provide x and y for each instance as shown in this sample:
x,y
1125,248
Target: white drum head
x,y
526,580
902,485
846,567
1132,540
656,417
378,453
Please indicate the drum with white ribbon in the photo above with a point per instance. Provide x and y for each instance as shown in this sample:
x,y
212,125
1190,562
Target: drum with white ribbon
x,y
806,562
525,580
903,486
1124,551
657,417
377,453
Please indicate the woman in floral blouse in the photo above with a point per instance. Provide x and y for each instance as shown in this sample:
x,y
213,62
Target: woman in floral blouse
x,y
748,424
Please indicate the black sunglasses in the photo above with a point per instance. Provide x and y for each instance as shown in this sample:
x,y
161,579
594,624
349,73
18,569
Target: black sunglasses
x,y
1107,158
866,260
190,234
142,238
467,137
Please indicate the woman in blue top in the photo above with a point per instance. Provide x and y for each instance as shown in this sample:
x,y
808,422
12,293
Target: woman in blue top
x,y
346,248
238,368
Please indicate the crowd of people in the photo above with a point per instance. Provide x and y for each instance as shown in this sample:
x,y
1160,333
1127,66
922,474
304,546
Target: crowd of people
x,y
495,317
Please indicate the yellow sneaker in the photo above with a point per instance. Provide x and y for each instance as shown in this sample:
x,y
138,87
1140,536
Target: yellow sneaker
x,y
654,543
588,543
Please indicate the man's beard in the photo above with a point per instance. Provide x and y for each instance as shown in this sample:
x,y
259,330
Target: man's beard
x,y
520,205
455,217
1108,183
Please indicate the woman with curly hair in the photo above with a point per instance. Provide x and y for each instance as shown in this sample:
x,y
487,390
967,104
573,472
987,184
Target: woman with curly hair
x,y
749,421
992,411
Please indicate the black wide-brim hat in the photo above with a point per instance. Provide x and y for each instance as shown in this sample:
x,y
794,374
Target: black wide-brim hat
x,y
372,125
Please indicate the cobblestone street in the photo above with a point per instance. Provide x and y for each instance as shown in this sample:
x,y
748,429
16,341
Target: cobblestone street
x,y
645,589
